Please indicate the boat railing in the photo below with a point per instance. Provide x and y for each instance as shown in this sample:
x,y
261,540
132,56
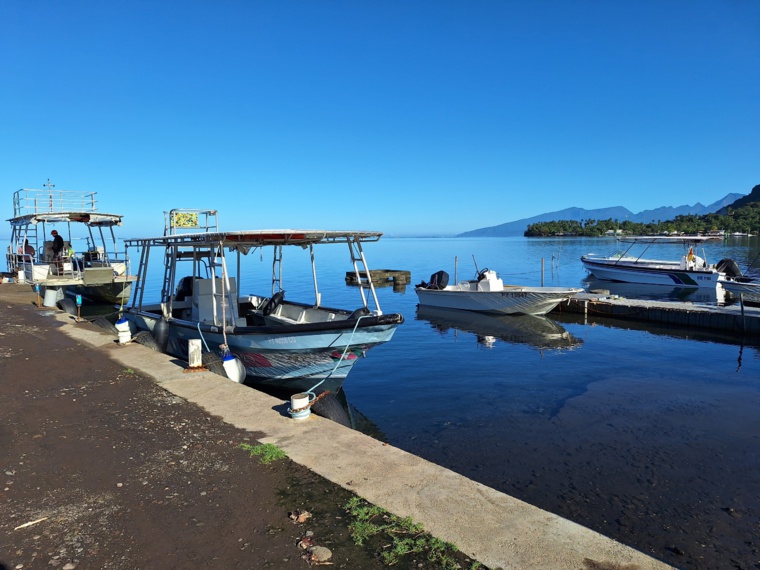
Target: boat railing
x,y
30,201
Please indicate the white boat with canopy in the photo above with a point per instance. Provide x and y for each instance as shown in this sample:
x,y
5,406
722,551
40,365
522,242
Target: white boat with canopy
x,y
630,265
96,271
301,346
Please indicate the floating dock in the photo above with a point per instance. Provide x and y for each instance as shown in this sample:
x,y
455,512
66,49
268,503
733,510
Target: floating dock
x,y
741,319
381,278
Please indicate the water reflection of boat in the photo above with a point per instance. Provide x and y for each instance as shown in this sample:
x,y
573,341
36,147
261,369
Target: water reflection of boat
x,y
537,331
644,292
696,334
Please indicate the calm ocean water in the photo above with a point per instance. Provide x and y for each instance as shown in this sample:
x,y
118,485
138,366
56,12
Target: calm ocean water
x,y
648,435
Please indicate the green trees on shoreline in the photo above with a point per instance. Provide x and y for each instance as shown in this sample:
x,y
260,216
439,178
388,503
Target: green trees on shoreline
x,y
744,220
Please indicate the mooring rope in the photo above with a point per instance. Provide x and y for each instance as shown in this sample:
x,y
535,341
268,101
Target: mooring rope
x,y
310,391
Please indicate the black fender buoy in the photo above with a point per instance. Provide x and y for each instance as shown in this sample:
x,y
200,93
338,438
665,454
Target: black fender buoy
x,y
105,324
146,339
161,334
68,306
214,363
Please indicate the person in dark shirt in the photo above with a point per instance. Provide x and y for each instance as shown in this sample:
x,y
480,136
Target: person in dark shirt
x,y
57,245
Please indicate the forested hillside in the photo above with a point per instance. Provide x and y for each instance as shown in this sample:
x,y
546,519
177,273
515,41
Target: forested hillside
x,y
742,216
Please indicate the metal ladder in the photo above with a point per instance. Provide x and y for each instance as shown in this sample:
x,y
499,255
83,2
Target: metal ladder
x,y
360,268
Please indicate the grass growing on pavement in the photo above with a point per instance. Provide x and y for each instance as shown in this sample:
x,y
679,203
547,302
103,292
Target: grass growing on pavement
x,y
396,536
267,452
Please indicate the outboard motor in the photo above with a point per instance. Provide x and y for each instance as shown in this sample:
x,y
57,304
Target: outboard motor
x,y
729,267
438,280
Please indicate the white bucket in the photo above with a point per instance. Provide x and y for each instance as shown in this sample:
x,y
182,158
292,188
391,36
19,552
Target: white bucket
x,y
21,277
123,330
298,402
52,296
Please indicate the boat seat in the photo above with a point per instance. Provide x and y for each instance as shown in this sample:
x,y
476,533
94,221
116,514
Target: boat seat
x,y
254,318
209,299
291,313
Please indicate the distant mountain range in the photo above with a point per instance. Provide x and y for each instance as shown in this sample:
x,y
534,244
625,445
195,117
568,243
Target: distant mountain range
x,y
753,196
518,227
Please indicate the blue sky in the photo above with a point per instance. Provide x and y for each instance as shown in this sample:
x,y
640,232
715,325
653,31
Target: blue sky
x,y
408,117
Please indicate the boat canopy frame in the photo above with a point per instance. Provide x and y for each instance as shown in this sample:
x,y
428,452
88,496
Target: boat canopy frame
x,y
206,250
34,210
649,241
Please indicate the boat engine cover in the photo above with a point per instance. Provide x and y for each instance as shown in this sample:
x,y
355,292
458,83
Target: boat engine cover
x,y
438,280
729,267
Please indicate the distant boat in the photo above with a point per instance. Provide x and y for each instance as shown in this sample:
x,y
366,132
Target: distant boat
x,y
99,274
690,270
488,294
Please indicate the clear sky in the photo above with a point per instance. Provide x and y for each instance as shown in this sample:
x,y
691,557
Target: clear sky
x,y
412,117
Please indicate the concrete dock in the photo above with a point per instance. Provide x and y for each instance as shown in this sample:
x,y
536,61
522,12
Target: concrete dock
x,y
491,527
735,318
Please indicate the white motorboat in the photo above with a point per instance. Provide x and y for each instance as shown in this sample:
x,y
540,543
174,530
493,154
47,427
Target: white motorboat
x,y
488,294
98,274
300,346
691,270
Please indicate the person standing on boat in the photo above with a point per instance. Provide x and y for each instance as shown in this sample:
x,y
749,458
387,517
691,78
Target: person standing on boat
x,y
57,249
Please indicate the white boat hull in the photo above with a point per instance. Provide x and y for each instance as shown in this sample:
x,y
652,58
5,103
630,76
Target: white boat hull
x,y
507,301
289,357
749,291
